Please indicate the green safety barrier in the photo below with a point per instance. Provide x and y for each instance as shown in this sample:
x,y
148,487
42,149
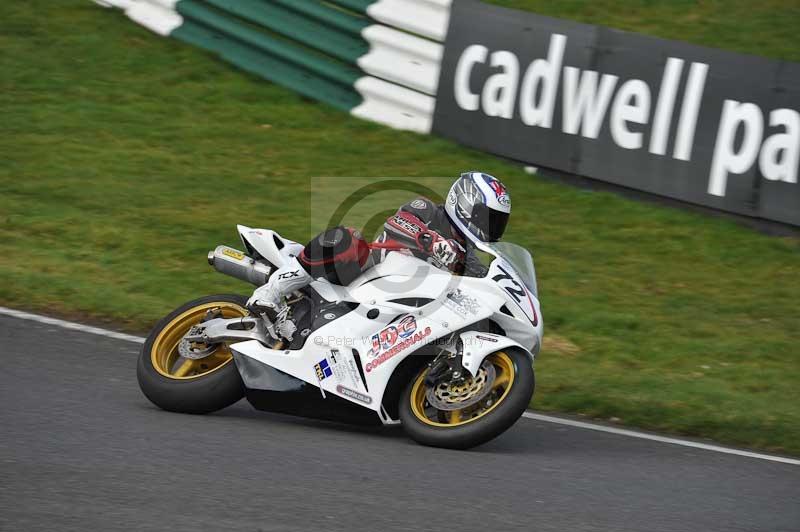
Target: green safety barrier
x,y
306,46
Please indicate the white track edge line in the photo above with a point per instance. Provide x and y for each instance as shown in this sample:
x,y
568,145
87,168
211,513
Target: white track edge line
x,y
530,415
70,325
661,439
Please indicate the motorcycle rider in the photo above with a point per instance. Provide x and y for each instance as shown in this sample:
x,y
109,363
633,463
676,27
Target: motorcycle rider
x,y
477,208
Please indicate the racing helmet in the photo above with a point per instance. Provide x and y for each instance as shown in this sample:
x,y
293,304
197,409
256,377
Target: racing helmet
x,y
478,205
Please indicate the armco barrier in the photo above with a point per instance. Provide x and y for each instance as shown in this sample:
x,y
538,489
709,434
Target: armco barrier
x,y
696,124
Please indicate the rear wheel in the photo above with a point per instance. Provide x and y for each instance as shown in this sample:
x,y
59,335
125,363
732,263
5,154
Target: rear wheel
x,y
463,414
191,385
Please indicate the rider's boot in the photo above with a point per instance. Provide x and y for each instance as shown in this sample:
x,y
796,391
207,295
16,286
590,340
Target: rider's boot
x,y
269,300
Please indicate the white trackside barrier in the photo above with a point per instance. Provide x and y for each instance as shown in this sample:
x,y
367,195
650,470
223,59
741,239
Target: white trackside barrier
x,y
428,18
159,16
394,106
402,58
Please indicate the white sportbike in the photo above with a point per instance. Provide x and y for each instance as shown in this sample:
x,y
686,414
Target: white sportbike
x,y
450,357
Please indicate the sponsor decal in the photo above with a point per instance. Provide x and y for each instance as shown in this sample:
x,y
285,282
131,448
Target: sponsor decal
x,y
418,204
238,255
587,102
499,190
452,198
289,275
352,373
323,369
406,224
394,339
684,116
391,334
497,187
343,369
352,394
486,338
461,303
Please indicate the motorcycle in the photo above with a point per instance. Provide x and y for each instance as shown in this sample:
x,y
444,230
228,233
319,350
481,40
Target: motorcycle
x,y
449,357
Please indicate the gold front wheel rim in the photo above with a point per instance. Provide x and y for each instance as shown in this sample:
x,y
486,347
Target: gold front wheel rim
x,y
164,354
424,412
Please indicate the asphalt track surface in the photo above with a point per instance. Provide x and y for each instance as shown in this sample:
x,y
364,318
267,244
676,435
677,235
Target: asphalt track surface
x,y
82,449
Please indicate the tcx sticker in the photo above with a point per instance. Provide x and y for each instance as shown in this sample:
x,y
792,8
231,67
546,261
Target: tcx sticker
x,y
289,275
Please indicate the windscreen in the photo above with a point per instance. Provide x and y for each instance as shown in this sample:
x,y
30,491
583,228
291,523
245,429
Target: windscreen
x,y
521,260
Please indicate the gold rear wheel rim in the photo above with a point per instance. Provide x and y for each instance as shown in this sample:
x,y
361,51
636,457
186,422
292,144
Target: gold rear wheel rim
x,y
164,354
424,412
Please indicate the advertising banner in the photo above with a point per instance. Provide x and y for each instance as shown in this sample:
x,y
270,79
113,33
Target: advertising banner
x,y
697,124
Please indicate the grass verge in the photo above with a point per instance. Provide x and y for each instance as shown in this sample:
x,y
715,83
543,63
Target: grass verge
x,y
124,157
768,27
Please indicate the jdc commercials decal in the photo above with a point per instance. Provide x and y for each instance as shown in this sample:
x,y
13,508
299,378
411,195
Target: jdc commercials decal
x,y
393,339
693,123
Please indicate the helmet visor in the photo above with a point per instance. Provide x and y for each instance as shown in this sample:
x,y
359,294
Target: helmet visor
x,y
488,224
497,224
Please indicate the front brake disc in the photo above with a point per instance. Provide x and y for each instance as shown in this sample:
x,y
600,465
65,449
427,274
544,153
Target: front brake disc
x,y
448,395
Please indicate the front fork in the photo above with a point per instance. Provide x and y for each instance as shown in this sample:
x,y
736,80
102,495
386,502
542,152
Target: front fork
x,y
447,364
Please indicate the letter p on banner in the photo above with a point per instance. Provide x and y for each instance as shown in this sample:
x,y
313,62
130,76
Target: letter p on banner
x,y
726,158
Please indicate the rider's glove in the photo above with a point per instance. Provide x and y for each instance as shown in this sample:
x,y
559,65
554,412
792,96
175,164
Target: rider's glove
x,y
446,253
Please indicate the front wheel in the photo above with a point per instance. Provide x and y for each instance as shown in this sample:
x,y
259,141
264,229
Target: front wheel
x,y
470,412
199,385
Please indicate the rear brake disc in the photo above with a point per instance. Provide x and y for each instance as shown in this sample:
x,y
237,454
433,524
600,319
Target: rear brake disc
x,y
192,349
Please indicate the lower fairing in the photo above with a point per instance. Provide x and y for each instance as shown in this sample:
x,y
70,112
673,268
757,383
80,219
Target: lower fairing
x,y
308,402
272,390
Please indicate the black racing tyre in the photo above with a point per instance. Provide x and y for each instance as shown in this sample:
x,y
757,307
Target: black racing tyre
x,y
189,386
510,394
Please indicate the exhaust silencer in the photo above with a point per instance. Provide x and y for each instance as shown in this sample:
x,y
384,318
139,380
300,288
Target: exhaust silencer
x,y
235,263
